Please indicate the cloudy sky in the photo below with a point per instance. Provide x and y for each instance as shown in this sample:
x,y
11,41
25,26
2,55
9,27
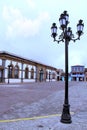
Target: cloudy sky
x,y
25,30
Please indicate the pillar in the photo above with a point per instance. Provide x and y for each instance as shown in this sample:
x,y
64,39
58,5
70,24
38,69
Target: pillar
x,y
22,72
3,74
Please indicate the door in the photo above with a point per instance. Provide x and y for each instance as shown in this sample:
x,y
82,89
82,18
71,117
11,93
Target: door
x,y
41,75
1,75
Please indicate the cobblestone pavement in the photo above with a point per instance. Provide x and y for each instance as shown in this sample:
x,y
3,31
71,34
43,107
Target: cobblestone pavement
x,y
47,100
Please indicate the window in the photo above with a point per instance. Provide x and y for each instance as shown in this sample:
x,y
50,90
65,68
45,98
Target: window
x,y
26,72
32,73
78,69
75,69
72,69
58,72
16,71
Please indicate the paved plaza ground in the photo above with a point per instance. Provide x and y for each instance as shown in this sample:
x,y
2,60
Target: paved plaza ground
x,y
38,106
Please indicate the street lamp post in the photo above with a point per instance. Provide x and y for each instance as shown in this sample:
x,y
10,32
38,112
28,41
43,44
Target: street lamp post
x,y
66,36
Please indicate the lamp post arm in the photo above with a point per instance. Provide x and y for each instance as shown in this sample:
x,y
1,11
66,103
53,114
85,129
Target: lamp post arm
x,y
74,40
58,41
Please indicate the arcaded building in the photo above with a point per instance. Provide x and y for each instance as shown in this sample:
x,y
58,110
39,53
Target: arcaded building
x,y
16,69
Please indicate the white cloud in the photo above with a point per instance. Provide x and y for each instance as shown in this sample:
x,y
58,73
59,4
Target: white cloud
x,y
22,27
31,3
75,57
5,13
10,13
19,25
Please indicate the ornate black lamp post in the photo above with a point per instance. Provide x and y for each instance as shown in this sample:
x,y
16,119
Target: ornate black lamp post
x,y
66,36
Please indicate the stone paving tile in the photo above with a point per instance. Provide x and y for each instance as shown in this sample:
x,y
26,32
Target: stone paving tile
x,y
52,103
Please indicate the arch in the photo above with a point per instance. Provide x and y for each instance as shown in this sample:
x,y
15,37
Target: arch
x,y
1,74
32,73
46,74
26,72
41,72
16,71
49,75
10,71
53,75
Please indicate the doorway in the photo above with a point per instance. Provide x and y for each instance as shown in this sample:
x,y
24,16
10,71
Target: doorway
x,y
1,75
41,75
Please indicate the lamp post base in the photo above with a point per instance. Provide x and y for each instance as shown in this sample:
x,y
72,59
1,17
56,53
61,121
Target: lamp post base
x,y
65,117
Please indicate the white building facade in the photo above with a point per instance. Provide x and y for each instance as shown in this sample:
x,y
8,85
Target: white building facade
x,y
77,73
16,69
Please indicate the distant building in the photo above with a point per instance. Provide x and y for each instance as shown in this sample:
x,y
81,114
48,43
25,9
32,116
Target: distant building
x,y
18,69
77,73
60,75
